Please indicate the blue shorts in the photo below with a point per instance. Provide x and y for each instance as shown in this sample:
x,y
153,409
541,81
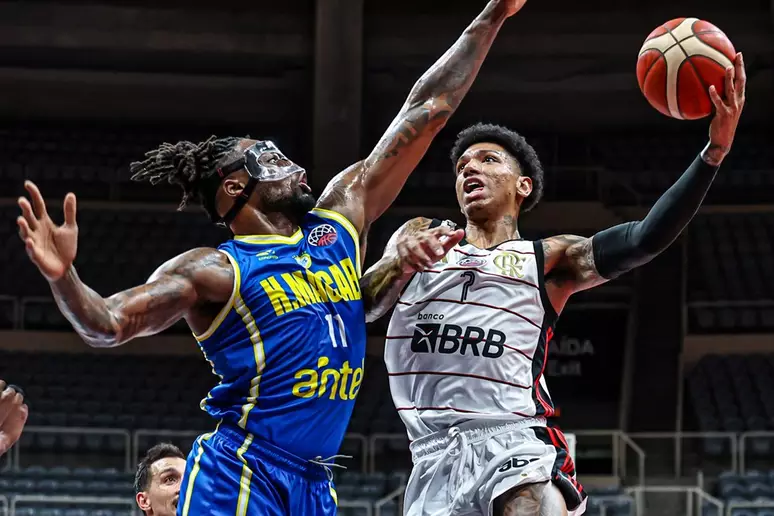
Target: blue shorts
x,y
231,473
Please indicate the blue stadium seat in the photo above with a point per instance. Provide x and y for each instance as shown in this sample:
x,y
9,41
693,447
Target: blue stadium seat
x,y
49,486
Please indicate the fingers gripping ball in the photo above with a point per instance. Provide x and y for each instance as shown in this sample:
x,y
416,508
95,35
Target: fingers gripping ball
x,y
678,63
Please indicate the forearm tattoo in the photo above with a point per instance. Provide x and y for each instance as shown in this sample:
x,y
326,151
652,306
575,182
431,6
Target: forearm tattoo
x,y
382,284
142,310
438,93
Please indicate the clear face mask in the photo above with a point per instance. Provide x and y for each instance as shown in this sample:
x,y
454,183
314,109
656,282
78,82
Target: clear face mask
x,y
265,162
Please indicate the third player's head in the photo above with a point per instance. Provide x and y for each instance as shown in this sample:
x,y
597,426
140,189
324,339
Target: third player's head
x,y
230,175
498,173
158,478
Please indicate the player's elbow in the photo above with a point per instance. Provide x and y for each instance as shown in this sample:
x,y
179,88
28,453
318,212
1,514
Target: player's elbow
x,y
647,242
103,339
108,334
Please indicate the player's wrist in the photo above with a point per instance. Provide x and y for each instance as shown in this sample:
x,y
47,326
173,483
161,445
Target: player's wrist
x,y
714,153
66,278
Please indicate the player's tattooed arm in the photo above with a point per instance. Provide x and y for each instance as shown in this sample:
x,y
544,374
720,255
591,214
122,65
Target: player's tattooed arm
x,y
569,267
576,263
173,292
413,248
199,278
383,281
365,190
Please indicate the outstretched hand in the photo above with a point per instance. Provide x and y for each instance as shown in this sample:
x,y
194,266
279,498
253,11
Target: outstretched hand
x,y
420,250
51,248
728,109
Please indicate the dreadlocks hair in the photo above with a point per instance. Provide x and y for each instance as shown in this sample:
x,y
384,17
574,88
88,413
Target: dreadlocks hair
x,y
515,145
188,165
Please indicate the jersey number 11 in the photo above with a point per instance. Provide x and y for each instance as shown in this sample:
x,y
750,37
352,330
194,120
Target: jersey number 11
x,y
332,330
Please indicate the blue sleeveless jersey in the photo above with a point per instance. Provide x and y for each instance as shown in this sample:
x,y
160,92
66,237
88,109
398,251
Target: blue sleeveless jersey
x,y
289,346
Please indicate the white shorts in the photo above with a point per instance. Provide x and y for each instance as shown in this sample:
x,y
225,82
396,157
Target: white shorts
x,y
462,470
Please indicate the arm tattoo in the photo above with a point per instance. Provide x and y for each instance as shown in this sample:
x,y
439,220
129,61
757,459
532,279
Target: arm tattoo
x,y
713,154
376,181
412,125
147,309
569,262
439,92
383,282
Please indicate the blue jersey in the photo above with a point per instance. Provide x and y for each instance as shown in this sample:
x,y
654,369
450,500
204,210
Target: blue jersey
x,y
289,346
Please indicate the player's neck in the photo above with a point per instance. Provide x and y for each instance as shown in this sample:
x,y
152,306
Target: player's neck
x,y
492,232
253,222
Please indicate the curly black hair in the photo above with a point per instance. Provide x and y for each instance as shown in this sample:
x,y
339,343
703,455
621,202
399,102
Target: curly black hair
x,y
512,142
190,165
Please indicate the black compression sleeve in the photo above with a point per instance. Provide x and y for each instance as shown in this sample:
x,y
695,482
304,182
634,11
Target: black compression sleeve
x,y
626,246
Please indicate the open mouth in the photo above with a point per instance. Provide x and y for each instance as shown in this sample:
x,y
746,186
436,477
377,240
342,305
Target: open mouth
x,y
471,185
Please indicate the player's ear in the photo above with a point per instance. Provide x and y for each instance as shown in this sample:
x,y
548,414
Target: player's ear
x,y
524,186
142,501
234,184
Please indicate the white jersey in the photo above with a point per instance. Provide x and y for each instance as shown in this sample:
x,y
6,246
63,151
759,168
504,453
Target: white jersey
x,y
469,339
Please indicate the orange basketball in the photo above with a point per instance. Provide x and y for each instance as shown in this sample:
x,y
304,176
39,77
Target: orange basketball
x,y
677,64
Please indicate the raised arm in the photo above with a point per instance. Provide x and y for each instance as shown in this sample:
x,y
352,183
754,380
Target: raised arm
x,y
412,248
365,190
575,263
174,291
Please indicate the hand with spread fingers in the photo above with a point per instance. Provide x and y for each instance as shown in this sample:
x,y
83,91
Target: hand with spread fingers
x,y
421,249
728,109
13,415
51,248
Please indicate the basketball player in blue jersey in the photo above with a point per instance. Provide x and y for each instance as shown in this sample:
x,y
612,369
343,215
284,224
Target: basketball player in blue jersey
x,y
277,310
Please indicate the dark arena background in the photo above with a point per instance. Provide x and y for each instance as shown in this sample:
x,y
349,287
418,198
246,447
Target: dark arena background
x,y
663,379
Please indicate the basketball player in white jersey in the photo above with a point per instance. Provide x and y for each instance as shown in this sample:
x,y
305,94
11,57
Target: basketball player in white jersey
x,y
467,343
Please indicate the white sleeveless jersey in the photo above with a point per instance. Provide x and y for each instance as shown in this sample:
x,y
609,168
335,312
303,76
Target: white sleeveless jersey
x,y
468,339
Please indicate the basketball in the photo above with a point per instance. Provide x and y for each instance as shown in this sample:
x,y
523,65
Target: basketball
x,y
678,63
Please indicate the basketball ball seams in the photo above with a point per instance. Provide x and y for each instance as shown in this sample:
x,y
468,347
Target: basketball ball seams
x,y
679,113
720,51
690,62
650,67
707,62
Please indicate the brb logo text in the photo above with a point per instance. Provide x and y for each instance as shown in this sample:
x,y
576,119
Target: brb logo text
x,y
448,339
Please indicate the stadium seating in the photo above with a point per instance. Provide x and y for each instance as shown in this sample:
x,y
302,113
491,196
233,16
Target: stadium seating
x,y
610,500
353,487
753,487
734,394
117,249
65,482
96,391
650,164
731,259
93,162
